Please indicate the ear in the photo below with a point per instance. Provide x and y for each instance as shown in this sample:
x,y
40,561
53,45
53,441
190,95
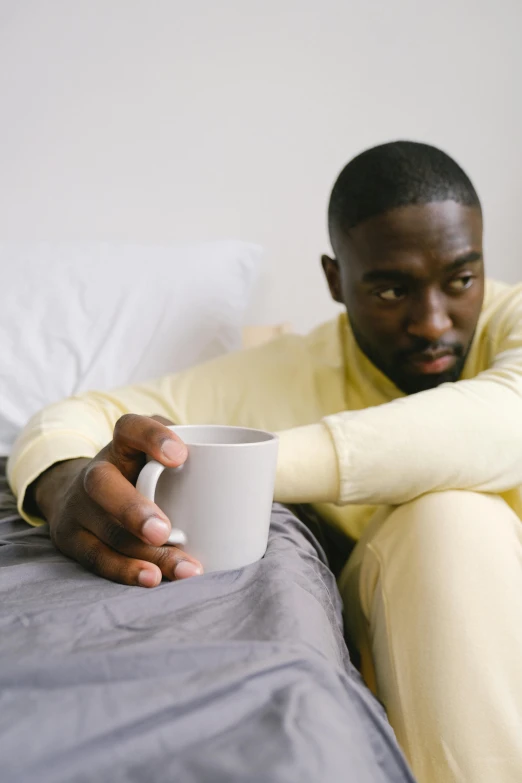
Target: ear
x,y
333,277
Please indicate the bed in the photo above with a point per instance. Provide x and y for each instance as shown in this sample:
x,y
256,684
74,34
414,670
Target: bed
x,y
233,676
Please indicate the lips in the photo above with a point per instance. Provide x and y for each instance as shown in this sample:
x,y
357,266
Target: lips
x,y
432,363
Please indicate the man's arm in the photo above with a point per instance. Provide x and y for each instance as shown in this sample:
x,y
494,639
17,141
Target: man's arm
x,y
465,435
272,387
76,463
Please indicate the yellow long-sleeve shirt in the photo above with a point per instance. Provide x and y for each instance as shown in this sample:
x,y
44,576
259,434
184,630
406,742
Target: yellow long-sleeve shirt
x,y
350,439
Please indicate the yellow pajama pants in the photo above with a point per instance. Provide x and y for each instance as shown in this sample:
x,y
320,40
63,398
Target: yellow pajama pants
x,y
433,597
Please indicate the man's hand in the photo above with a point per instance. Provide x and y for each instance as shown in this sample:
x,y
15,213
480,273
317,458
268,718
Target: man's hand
x,y
97,517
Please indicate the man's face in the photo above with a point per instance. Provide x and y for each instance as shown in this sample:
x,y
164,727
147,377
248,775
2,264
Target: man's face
x,y
412,281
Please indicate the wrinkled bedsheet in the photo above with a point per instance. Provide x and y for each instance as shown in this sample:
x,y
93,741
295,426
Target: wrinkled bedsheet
x,y
236,676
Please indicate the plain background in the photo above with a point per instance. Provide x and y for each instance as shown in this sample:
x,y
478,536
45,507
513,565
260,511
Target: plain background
x,y
159,120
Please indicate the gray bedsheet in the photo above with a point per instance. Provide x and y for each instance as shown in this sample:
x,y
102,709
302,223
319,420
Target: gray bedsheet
x,y
238,676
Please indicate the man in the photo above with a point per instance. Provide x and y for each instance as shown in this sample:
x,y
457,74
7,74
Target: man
x,y
401,423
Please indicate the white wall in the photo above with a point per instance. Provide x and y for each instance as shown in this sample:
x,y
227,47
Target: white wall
x,y
156,120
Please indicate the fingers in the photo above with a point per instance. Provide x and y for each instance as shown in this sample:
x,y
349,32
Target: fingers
x,y
95,556
172,562
109,478
135,435
111,491
107,525
108,550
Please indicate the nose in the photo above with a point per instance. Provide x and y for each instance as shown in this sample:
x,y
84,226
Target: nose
x,y
429,318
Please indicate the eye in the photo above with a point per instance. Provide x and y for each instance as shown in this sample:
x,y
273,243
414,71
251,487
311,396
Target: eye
x,y
391,294
462,283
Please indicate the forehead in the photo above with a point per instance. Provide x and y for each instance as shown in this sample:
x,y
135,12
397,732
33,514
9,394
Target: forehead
x,y
434,233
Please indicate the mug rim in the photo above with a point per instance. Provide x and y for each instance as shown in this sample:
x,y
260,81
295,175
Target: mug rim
x,y
270,437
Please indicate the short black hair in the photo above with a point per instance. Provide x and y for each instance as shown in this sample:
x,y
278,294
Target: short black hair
x,y
392,175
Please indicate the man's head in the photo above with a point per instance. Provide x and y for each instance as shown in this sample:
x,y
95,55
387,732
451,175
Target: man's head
x,y
405,225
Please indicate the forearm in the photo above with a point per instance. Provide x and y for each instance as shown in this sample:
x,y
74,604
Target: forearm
x,y
466,435
76,428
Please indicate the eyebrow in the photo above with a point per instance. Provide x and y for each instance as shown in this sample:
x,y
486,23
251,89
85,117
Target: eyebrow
x,y
396,275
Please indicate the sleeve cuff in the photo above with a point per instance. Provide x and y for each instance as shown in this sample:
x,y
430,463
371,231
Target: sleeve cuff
x,y
337,426
24,467
307,467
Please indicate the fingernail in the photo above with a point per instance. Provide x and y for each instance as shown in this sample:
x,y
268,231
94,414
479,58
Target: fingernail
x,y
185,569
174,451
156,531
147,578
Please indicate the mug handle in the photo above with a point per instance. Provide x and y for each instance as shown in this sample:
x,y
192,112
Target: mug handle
x,y
146,485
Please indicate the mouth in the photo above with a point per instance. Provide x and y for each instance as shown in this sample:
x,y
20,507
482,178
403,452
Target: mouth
x,y
432,362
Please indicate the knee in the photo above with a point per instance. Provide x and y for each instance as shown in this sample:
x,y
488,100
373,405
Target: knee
x,y
449,504
441,521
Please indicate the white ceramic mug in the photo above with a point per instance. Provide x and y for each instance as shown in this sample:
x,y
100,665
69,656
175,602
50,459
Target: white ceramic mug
x,y
219,502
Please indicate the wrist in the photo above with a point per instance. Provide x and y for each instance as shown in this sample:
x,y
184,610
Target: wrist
x,y
307,468
48,491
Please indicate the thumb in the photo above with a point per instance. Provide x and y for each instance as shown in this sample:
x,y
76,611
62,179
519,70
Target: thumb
x,y
162,420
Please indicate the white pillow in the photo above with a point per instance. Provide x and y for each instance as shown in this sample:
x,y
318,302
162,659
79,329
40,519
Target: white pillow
x,y
93,316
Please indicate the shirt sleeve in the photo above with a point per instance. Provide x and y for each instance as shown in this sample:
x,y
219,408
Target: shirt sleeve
x,y
272,387
465,435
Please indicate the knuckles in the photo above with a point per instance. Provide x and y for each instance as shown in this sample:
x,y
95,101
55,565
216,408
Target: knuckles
x,y
91,557
123,423
95,477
